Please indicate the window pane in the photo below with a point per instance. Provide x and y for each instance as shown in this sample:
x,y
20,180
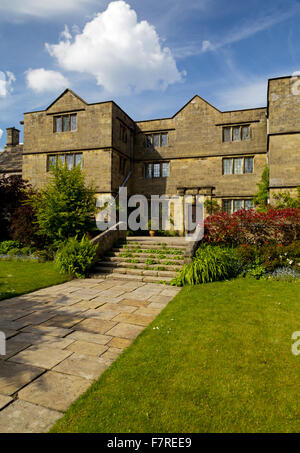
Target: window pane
x,y
165,169
149,171
78,160
245,133
66,123
248,204
227,206
249,165
70,161
149,141
238,166
156,170
227,166
164,139
237,205
51,162
156,139
58,124
61,159
236,133
73,122
226,134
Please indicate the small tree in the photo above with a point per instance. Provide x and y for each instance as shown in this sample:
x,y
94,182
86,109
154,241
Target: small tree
x,y
261,199
12,193
66,206
212,206
285,200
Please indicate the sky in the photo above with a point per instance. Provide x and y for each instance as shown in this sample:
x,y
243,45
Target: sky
x,y
149,56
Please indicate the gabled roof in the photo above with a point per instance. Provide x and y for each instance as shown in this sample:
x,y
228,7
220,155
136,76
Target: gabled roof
x,y
63,94
11,160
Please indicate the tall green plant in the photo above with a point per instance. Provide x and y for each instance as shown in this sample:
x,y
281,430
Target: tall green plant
x,y
261,199
285,200
66,206
211,263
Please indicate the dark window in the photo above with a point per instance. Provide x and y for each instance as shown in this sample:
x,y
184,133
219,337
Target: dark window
x,y
226,134
157,170
248,164
148,171
165,169
236,133
122,165
227,206
157,140
236,205
65,123
70,160
238,166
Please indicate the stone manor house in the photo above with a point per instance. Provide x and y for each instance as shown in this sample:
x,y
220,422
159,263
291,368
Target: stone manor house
x,y
199,150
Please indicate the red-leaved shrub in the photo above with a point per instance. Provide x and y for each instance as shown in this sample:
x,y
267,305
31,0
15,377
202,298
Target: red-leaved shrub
x,y
281,226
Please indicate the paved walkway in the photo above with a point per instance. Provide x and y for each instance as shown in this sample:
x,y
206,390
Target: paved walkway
x,y
60,339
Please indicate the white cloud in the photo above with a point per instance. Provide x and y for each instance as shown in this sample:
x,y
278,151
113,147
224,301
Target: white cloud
x,y
42,80
6,80
1,133
123,54
248,95
42,8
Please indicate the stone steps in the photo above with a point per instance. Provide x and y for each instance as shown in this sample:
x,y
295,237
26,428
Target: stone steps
x,y
145,266
128,261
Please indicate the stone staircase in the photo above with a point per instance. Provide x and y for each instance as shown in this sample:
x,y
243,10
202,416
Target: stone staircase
x,y
146,259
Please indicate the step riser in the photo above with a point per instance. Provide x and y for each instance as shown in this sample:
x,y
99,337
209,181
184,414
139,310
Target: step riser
x,y
120,270
158,262
150,246
137,265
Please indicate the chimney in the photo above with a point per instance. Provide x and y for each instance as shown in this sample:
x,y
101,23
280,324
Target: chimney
x,y
13,136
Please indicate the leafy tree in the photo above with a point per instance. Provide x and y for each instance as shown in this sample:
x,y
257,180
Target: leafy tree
x,y
261,199
212,206
285,200
66,206
12,194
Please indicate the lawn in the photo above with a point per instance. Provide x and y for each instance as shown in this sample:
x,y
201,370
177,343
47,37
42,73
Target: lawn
x,y
20,277
220,361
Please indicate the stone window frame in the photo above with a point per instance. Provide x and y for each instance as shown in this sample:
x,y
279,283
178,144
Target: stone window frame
x,y
122,165
62,116
231,135
63,158
151,174
150,140
233,158
123,133
232,200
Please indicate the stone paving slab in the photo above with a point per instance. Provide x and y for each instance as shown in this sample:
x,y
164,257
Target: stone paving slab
x,y
83,366
90,337
95,325
41,356
84,347
14,376
54,390
127,331
4,400
23,417
63,338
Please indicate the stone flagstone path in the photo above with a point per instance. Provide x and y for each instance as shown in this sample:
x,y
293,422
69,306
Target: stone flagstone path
x,y
60,339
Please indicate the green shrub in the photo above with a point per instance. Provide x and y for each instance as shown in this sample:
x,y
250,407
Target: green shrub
x,y
66,206
7,246
76,257
211,263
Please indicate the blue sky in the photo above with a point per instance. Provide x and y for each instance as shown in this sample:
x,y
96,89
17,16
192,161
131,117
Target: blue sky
x,y
150,56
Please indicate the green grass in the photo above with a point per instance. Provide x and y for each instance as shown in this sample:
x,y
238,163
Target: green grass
x,y
21,277
220,361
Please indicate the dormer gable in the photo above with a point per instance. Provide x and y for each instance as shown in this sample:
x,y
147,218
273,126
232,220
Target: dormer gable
x,y
68,101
